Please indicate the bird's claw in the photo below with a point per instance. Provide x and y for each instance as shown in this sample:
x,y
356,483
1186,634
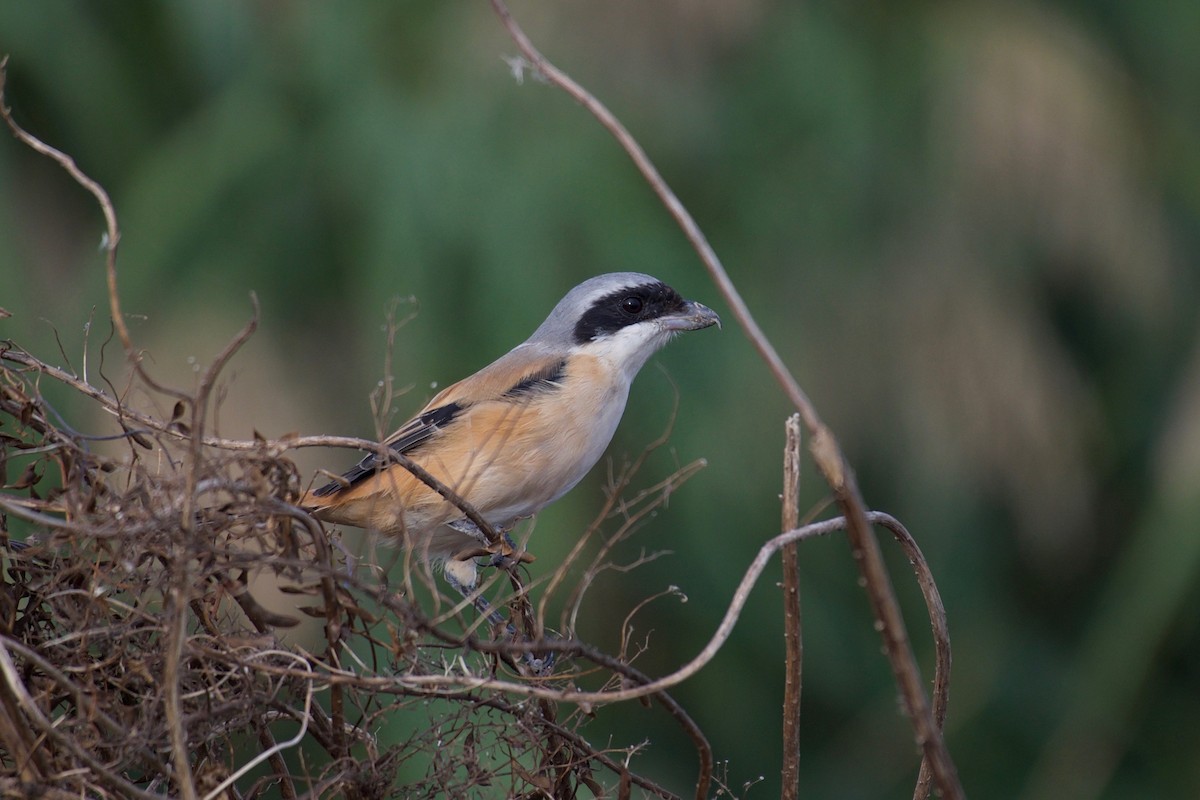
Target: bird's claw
x,y
539,666
503,553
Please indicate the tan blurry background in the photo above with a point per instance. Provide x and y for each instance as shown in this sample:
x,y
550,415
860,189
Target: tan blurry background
x,y
971,229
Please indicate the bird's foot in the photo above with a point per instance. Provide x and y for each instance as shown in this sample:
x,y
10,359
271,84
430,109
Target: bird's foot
x,y
532,662
539,665
504,553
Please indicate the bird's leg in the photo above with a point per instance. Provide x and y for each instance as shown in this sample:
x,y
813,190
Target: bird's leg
x,y
461,573
351,559
537,664
455,572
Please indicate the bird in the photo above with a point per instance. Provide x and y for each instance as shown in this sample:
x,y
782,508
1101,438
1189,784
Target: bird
x,y
519,433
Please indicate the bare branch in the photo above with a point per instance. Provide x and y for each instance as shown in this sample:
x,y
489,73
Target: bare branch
x,y
112,236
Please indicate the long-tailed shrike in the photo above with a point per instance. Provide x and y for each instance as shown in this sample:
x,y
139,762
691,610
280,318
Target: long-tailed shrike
x,y
522,431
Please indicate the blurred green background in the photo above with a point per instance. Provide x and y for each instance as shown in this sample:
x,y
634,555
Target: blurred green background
x,y
971,228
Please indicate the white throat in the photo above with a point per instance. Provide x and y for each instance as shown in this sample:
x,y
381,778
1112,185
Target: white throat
x,y
630,348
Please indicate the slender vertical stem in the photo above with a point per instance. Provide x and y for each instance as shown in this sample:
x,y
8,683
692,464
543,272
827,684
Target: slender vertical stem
x,y
792,638
176,609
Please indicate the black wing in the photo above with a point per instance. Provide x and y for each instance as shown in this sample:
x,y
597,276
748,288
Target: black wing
x,y
408,438
543,380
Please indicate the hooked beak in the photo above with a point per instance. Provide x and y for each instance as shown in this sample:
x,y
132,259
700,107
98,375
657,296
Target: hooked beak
x,y
693,317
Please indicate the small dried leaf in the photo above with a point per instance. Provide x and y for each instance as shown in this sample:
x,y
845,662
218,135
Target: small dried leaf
x,y
28,478
312,611
363,614
178,410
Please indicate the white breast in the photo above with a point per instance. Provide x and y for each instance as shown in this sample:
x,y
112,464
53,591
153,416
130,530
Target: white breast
x,y
569,433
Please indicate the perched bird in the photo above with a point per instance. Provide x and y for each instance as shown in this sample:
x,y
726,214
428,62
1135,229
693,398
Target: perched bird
x,y
519,433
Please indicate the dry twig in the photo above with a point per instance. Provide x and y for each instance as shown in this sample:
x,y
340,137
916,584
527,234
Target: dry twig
x,y
792,634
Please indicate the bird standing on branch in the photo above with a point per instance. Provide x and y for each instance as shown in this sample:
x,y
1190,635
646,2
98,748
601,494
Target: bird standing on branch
x,y
519,433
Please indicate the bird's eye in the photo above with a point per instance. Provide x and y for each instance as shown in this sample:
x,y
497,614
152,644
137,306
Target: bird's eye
x,y
632,304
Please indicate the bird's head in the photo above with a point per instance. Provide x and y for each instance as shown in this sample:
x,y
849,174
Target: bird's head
x,y
624,317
